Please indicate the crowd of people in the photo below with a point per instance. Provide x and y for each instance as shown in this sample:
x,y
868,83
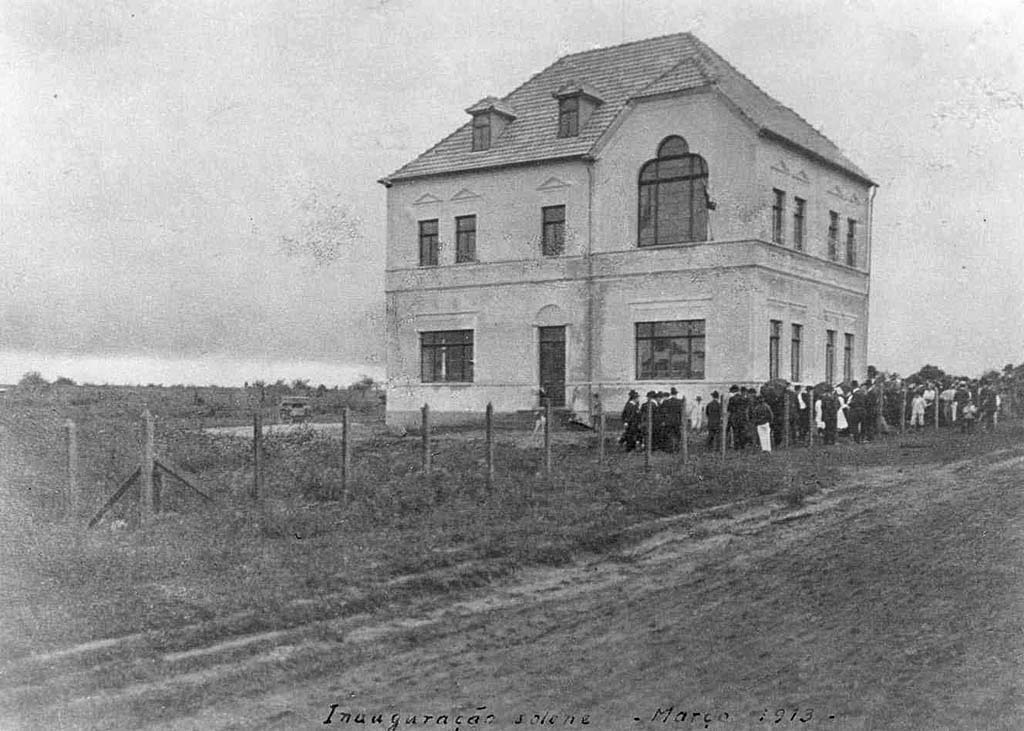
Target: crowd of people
x,y
760,417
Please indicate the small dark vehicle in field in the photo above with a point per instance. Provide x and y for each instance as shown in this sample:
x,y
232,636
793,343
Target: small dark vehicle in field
x,y
295,409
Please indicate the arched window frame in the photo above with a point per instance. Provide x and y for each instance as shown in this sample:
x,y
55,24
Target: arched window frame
x,y
673,152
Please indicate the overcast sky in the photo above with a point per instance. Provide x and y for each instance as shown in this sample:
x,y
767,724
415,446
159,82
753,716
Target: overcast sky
x,y
157,155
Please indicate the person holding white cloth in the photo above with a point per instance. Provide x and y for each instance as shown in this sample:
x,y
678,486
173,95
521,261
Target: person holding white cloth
x,y
761,416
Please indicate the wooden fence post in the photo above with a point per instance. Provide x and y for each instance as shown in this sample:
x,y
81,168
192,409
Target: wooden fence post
x,y
649,436
903,410
547,437
785,419
725,423
935,406
600,437
812,424
346,456
684,436
74,498
489,435
146,493
425,427
257,455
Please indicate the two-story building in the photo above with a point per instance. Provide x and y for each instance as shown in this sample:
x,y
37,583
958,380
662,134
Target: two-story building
x,y
633,217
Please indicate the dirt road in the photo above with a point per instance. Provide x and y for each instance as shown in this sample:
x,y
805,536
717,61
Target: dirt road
x,y
893,601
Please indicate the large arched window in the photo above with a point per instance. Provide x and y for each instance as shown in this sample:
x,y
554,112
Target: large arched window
x,y
673,200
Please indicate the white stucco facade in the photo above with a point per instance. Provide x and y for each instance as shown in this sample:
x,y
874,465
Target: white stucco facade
x,y
603,284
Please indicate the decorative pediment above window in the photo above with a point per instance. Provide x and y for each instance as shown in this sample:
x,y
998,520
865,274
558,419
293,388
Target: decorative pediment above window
x,y
550,315
553,183
576,102
426,199
782,167
464,195
838,192
490,117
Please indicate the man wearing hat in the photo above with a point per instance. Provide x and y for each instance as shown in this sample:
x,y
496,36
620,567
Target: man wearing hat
x,y
737,408
648,419
673,420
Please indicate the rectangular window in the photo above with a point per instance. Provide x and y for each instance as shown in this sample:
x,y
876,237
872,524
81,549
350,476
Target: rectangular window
x,y
428,243
833,235
848,358
465,239
446,355
481,132
569,117
774,342
671,349
798,223
795,347
851,242
830,356
778,213
553,234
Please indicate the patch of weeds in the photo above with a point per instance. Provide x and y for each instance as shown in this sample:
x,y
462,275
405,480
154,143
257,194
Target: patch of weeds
x,y
794,496
700,532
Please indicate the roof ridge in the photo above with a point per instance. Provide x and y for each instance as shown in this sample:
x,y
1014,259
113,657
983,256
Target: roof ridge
x,y
671,70
680,34
624,72
718,58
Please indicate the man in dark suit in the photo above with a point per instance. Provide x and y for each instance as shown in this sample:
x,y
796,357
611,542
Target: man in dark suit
x,y
649,419
673,420
872,412
713,413
800,414
631,422
829,415
857,412
737,408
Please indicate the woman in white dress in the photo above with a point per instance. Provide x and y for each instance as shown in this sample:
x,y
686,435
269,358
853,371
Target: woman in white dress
x,y
843,400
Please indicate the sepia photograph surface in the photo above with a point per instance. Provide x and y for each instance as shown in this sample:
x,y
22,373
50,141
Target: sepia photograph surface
x,y
606,364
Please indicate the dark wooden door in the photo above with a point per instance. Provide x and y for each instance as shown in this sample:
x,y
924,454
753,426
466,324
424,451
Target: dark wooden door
x,y
552,363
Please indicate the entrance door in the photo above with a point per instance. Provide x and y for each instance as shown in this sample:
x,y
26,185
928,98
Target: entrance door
x,y
552,363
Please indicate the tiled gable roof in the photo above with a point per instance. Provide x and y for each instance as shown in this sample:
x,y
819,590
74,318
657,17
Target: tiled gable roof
x,y
668,64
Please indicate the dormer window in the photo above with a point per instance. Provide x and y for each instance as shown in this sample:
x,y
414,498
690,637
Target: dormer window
x,y
576,102
481,132
490,117
569,116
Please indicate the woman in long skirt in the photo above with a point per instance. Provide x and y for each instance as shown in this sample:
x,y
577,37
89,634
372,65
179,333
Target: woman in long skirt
x,y
842,424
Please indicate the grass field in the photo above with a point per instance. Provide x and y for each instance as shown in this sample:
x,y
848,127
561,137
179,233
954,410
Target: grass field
x,y
206,573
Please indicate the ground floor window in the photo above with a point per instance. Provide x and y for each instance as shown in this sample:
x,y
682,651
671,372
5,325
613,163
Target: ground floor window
x,y
670,349
446,355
